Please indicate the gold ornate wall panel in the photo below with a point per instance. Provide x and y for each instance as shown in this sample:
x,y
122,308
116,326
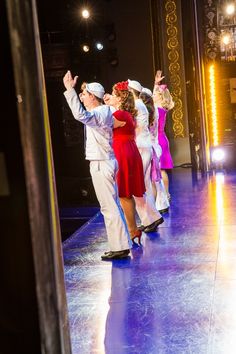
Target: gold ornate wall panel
x,y
211,32
174,65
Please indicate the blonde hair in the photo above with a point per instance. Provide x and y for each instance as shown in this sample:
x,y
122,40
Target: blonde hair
x,y
83,86
163,98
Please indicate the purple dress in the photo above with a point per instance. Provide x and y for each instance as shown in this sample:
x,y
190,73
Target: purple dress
x,y
166,161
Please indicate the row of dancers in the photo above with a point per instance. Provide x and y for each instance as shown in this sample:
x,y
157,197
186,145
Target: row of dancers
x,y
128,153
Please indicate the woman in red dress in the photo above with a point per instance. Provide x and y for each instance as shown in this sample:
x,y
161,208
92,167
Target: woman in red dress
x,y
130,178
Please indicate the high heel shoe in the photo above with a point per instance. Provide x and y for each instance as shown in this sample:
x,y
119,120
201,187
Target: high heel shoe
x,y
153,227
136,234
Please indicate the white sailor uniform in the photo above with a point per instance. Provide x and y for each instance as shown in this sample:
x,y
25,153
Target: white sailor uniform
x,y
146,208
103,167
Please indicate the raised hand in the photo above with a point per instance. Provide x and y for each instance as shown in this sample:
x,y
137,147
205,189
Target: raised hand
x,y
69,81
158,77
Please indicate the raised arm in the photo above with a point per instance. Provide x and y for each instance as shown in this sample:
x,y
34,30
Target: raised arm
x,y
157,81
92,118
158,77
69,81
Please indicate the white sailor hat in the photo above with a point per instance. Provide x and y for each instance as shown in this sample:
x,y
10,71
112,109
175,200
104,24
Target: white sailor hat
x,y
147,91
135,85
96,89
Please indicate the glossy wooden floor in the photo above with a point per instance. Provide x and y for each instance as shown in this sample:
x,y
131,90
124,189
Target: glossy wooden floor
x,y
176,294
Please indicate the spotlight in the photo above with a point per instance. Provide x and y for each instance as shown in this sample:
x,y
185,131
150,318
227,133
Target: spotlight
x,y
85,13
230,9
226,39
218,155
85,48
99,46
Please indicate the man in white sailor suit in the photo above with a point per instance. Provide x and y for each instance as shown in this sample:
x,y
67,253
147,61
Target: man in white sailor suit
x,y
98,120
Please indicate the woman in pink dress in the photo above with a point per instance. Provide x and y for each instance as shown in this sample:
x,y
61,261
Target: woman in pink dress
x,y
159,191
164,102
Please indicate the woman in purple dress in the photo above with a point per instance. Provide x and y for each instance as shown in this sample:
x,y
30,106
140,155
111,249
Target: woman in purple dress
x,y
164,102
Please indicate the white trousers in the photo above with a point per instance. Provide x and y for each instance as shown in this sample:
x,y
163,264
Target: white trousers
x,y
145,206
103,175
162,201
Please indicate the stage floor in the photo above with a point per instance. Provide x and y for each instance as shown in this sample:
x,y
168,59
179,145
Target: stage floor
x,y
176,294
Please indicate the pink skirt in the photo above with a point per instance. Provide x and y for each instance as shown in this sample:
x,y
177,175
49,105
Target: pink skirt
x,y
155,167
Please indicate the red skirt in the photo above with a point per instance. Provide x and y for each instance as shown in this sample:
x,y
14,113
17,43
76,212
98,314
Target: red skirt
x,y
130,177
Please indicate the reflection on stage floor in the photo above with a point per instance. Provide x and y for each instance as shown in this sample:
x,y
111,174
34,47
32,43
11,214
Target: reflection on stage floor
x,y
176,293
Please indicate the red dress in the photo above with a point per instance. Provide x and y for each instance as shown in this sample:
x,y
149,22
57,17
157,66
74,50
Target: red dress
x,y
130,178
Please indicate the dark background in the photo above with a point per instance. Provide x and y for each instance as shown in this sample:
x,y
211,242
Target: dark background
x,y
125,31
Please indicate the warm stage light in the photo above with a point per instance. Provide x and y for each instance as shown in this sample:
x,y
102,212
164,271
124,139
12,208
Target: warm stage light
x,y
213,105
85,48
226,39
230,9
218,155
85,13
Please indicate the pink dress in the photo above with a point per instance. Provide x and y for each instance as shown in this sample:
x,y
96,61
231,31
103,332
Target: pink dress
x,y
166,161
156,151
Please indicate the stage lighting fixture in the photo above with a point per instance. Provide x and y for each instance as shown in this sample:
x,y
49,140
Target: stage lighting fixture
x,y
213,101
218,155
113,61
85,13
226,38
99,46
85,48
111,36
110,32
230,9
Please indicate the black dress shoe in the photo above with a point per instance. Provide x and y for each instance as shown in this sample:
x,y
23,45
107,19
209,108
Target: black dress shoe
x,y
163,211
115,255
154,225
141,227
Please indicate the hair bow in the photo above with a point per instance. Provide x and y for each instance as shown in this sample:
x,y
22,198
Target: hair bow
x,y
121,86
163,87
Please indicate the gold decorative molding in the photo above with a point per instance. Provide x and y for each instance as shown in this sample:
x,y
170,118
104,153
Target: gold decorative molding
x,y
211,41
173,50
